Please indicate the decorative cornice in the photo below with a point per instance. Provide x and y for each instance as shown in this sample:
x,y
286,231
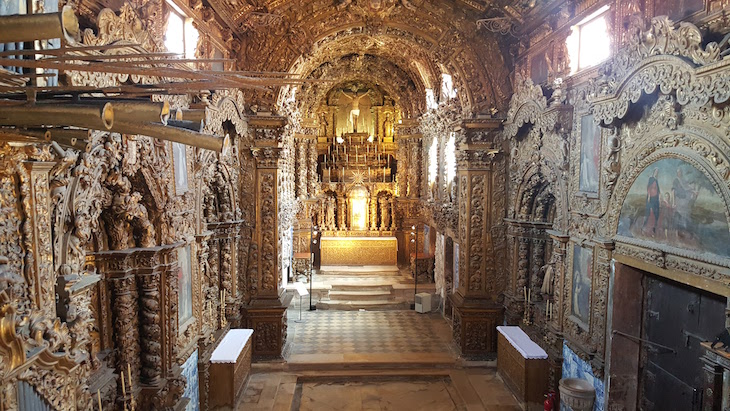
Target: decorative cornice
x,y
661,57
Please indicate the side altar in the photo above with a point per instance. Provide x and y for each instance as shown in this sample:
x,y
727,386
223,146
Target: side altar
x,y
371,250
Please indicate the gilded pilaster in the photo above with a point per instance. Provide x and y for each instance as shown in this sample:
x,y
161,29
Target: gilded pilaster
x,y
266,311
476,309
39,258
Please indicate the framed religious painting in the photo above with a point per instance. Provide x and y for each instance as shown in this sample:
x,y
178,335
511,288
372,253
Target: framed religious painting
x,y
590,155
180,162
185,285
581,285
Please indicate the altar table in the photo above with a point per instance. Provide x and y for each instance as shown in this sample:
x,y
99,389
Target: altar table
x,y
230,366
359,251
523,366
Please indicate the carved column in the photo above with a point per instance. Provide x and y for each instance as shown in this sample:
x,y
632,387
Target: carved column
x,y
116,268
538,260
265,313
341,213
302,167
149,285
402,171
373,213
313,177
475,307
381,208
392,213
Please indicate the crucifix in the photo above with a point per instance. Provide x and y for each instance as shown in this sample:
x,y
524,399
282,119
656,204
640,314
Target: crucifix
x,y
355,97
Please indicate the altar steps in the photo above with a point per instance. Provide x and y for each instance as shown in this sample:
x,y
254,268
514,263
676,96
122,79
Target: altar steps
x,y
371,297
361,295
359,271
374,305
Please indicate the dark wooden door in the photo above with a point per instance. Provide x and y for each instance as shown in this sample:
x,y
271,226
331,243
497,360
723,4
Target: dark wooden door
x,y
678,317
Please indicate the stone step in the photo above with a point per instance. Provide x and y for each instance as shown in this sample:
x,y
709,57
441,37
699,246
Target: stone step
x,y
359,271
362,287
365,295
374,305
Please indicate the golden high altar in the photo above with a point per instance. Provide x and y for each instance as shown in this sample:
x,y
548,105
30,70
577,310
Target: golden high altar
x,y
348,251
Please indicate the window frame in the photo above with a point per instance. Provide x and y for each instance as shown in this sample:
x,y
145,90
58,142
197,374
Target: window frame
x,y
577,30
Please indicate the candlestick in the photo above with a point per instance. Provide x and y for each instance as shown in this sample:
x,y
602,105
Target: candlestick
x,y
529,295
547,308
98,397
124,389
383,174
524,292
129,373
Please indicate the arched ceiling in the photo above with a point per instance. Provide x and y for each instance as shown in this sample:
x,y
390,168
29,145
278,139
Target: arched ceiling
x,y
370,69
407,43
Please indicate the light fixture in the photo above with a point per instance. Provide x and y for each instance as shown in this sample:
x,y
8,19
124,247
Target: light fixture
x,y
340,140
371,139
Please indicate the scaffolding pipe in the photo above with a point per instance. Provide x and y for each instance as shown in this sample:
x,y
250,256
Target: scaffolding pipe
x,y
179,135
18,28
93,116
186,124
193,115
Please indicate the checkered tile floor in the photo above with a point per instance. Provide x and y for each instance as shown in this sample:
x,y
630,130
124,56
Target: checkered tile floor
x,y
368,332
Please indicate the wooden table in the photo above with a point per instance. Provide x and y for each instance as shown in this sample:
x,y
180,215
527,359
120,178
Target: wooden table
x,y
230,366
523,366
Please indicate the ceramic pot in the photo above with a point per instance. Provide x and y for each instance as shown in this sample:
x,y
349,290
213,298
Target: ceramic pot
x,y
577,394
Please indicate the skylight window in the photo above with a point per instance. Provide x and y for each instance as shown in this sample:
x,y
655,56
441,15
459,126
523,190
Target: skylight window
x,y
590,42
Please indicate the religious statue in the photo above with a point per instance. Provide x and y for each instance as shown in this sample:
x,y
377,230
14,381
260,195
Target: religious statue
x,y
330,213
547,280
323,123
355,97
388,126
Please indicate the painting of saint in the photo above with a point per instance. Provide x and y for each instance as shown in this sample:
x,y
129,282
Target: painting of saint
x,y
590,154
185,285
582,277
181,168
673,203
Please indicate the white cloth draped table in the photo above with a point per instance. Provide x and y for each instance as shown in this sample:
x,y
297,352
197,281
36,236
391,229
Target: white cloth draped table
x,y
522,342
